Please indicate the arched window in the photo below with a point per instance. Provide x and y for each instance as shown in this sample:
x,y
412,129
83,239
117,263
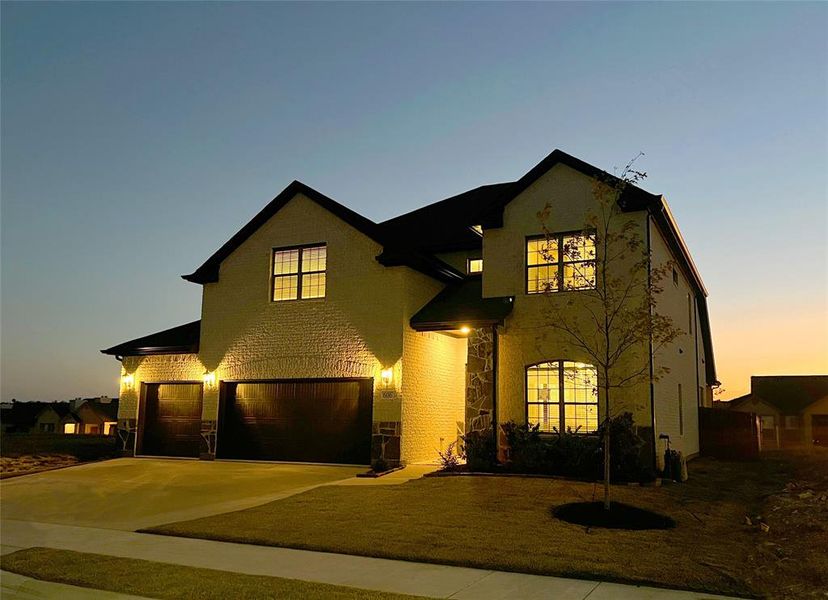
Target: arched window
x,y
562,394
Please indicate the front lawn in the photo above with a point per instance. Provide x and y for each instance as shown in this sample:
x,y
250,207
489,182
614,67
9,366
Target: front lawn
x,y
161,580
505,523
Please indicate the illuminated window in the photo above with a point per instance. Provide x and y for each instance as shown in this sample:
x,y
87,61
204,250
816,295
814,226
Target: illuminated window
x,y
70,428
299,272
559,263
478,229
475,265
562,395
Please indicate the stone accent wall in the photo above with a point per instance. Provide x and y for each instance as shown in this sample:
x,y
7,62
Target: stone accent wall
x,y
208,440
480,380
385,441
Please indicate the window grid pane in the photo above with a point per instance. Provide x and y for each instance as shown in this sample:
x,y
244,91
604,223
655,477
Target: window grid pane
x,y
285,287
313,285
543,396
285,262
314,259
475,265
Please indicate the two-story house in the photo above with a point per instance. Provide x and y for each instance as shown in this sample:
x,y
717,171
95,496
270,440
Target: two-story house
x,y
327,337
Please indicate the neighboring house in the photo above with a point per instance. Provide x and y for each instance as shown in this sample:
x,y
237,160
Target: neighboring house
x,y
793,408
326,337
90,416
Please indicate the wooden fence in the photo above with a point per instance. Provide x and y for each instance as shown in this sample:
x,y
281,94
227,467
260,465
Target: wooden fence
x,y
729,434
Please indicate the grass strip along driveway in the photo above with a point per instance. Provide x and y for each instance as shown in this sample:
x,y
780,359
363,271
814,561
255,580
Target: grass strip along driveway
x,y
506,524
160,580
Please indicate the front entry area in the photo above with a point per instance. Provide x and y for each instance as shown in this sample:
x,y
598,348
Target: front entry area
x,y
301,420
170,420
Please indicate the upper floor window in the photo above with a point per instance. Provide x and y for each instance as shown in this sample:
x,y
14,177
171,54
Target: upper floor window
x,y
559,263
299,272
475,265
562,394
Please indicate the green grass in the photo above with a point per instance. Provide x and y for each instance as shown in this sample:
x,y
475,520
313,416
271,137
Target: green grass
x,y
162,580
506,524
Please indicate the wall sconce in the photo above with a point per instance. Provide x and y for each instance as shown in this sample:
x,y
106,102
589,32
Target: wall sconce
x,y
209,379
465,330
387,375
128,381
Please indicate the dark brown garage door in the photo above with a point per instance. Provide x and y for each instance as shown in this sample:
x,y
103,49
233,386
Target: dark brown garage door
x,y
170,423
297,420
819,427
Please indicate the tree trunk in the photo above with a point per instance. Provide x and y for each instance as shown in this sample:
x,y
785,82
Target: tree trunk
x,y
607,466
607,452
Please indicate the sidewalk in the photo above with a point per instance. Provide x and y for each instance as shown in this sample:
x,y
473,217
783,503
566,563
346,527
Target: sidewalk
x,y
17,587
436,581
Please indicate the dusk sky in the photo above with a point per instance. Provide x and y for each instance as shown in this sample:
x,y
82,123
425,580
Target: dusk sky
x,y
138,137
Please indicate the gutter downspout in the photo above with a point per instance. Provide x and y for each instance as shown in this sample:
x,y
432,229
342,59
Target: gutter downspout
x,y
650,344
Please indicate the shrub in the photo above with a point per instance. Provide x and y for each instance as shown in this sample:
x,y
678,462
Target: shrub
x,y
527,453
626,446
573,454
449,460
480,450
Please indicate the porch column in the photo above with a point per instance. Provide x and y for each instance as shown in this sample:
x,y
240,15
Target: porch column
x,y
480,380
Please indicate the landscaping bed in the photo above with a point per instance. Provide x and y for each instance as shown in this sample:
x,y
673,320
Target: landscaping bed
x,y
162,580
22,453
506,523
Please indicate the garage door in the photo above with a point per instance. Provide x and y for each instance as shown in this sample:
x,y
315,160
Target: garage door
x,y
170,420
297,420
819,429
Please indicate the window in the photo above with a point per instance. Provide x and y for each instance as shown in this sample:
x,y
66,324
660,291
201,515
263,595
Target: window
x,y
768,422
475,265
69,428
299,272
559,263
47,427
561,395
478,229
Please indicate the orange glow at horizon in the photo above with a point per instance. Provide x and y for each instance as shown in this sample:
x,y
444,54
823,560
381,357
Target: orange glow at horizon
x,y
767,340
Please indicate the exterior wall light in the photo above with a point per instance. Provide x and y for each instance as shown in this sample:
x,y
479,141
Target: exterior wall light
x,y
465,330
128,381
209,379
387,375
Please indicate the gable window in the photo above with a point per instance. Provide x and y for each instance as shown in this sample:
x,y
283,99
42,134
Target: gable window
x,y
562,395
299,272
475,265
560,262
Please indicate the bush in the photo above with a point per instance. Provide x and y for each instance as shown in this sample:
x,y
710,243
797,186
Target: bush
x,y
573,454
449,460
480,450
83,447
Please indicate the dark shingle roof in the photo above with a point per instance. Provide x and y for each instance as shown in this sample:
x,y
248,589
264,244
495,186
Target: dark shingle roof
x,y
461,304
209,271
445,225
183,339
789,394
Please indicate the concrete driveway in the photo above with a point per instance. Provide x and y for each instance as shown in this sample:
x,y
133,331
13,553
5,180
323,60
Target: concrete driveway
x,y
131,493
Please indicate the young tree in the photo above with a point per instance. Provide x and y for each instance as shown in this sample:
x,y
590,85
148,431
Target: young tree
x,y
613,318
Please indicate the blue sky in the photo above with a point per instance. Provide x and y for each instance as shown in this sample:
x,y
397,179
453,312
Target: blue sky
x,y
138,137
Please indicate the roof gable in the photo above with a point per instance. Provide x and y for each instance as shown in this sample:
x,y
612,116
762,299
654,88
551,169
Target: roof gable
x,y
209,271
790,394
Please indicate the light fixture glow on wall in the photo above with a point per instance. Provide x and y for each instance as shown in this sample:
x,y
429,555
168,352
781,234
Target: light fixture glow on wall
x,y
387,376
210,379
127,380
465,330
